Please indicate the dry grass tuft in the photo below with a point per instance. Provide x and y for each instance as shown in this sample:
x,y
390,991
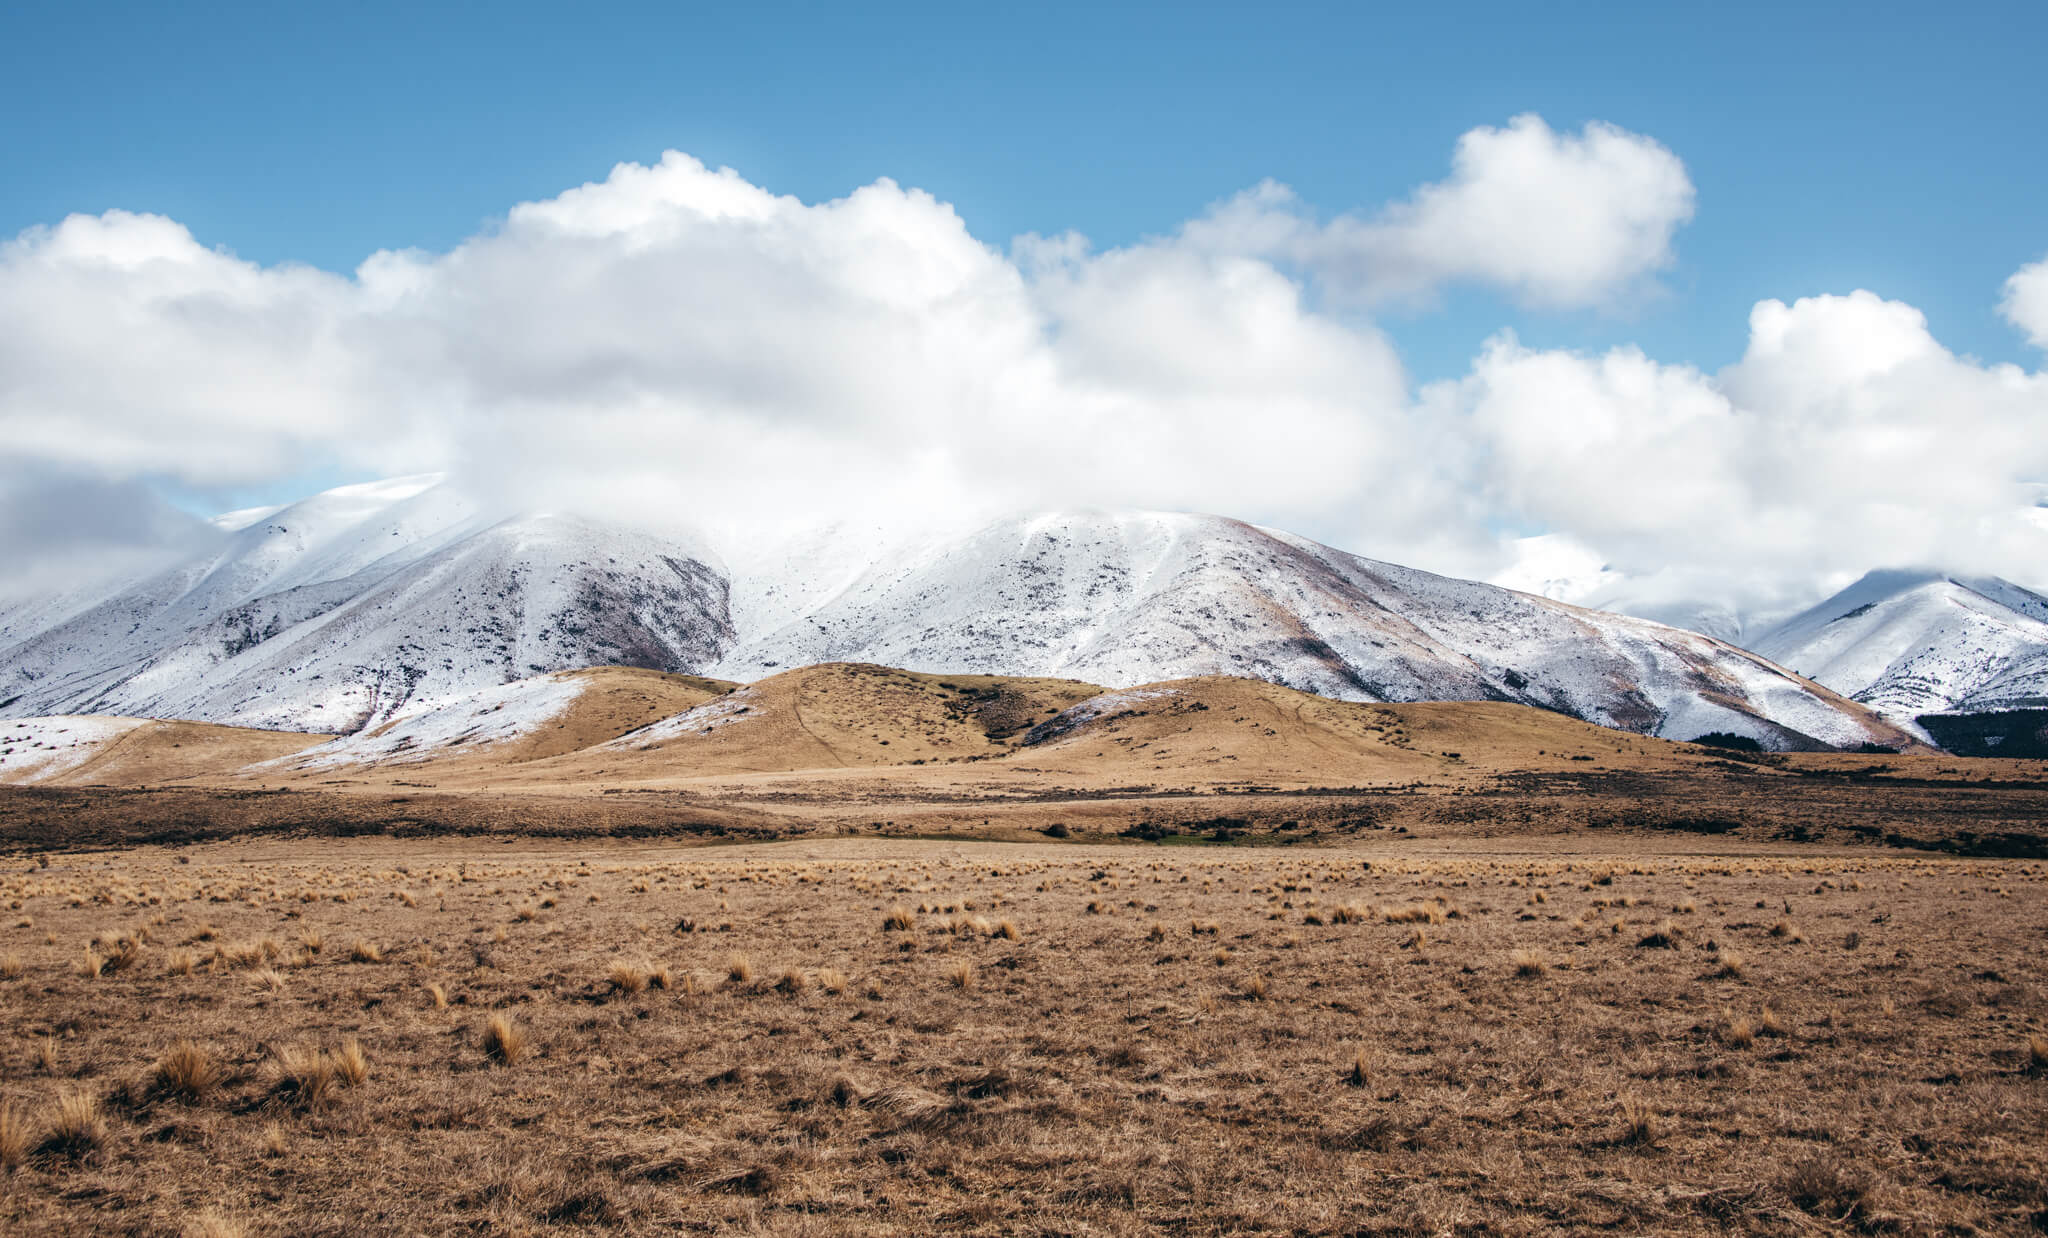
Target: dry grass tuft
x,y
1769,1024
739,969
899,919
2037,1054
438,996
1529,963
351,1064
1253,988
364,951
1728,965
181,963
1008,932
961,975
1738,1034
627,978
14,1137
792,981
11,967
1823,1186
1360,1074
186,1072
833,982
75,1129
306,1078
1664,937
211,1224
1639,1124
504,1040
91,965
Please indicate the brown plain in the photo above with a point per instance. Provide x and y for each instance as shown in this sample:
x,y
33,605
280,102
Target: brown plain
x,y
1298,967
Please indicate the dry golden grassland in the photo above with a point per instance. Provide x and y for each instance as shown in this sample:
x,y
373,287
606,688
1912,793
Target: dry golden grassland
x,y
379,1035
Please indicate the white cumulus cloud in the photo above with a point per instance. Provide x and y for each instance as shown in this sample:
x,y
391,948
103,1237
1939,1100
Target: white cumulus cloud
x,y
1554,219
674,343
2026,302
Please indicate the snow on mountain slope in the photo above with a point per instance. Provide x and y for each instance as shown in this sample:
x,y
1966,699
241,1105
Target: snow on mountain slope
x,y
1908,643
1133,598
526,720
341,611
349,609
36,749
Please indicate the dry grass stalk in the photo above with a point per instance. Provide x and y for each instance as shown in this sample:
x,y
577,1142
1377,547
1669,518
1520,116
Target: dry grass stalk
x,y
1639,1123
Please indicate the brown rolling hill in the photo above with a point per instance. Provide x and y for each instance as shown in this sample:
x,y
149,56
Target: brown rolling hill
x,y
146,752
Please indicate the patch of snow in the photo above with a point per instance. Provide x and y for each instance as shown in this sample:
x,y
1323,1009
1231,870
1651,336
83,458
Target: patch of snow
x,y
467,723
34,749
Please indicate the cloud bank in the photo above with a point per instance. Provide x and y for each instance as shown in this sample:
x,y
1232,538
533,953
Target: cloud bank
x,y
677,344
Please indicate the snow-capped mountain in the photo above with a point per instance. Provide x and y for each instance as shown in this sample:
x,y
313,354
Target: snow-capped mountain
x,y
348,608
371,602
1132,598
1908,643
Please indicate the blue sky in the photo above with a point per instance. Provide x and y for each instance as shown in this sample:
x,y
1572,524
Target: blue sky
x,y
1835,146
1832,147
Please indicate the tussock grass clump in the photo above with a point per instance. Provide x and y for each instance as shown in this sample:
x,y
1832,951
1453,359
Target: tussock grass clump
x,y
1728,965
1253,988
75,1129
1769,1024
305,1077
1664,937
833,982
1156,933
1414,913
2037,1054
91,965
660,977
961,975
1349,913
181,963
208,1223
1639,1123
739,969
363,951
1738,1034
46,1055
351,1064
792,981
1822,1186
504,1040
14,1137
1007,931
899,919
627,978
11,967
186,1072
1360,1074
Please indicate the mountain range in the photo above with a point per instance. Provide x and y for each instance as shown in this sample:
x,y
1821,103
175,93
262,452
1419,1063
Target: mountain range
x,y
366,603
